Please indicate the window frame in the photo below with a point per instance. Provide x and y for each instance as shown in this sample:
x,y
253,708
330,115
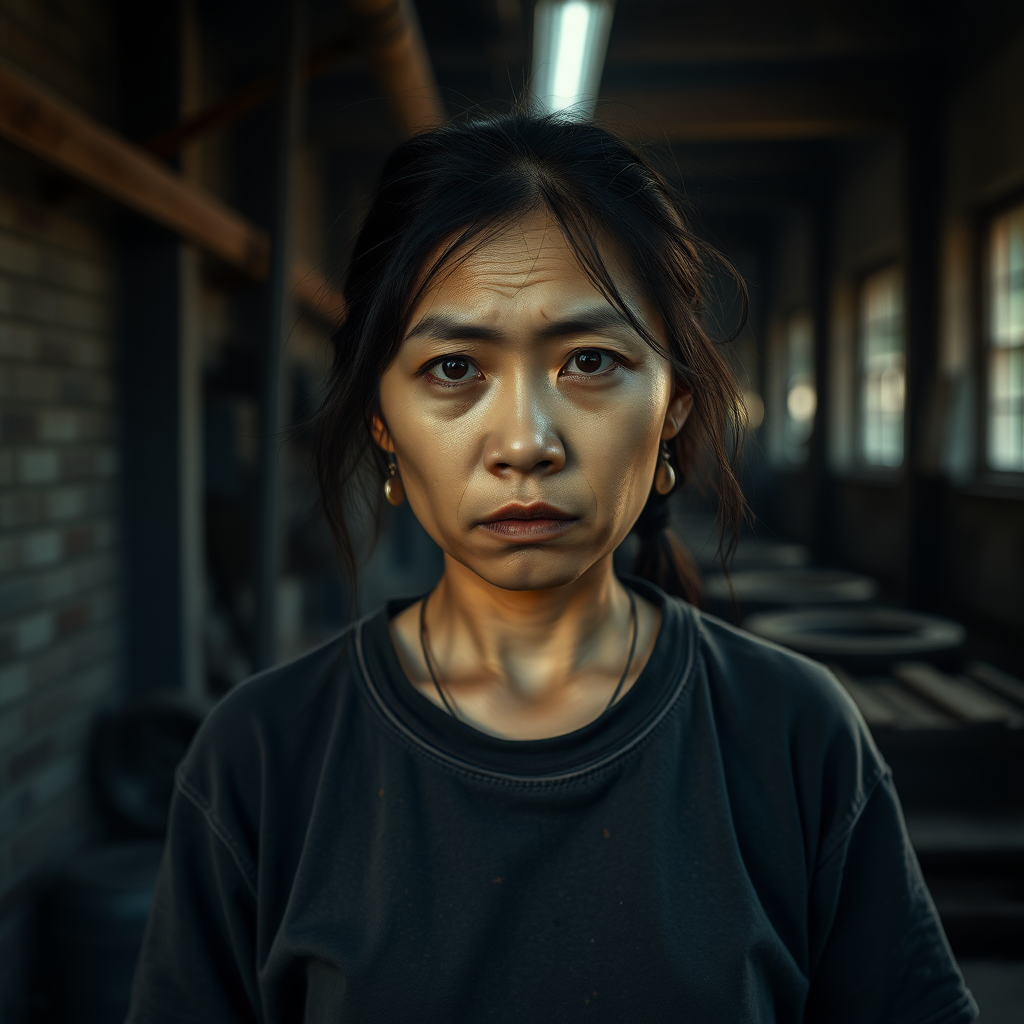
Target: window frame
x,y
861,467
1007,482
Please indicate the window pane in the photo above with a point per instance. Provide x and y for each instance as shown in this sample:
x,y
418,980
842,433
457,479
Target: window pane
x,y
1006,409
882,377
801,398
1006,340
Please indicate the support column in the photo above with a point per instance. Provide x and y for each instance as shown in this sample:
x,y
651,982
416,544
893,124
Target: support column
x,y
160,384
823,522
193,526
192,566
923,489
287,136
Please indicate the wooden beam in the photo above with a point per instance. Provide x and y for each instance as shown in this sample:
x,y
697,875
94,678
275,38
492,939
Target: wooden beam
x,y
756,112
35,120
766,131
672,50
394,49
397,56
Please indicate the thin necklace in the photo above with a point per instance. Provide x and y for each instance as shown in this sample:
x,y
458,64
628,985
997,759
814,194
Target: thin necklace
x,y
450,707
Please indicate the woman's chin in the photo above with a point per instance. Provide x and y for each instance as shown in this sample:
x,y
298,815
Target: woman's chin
x,y
531,568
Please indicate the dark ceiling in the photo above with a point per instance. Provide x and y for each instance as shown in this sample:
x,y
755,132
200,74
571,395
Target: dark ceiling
x,y
748,104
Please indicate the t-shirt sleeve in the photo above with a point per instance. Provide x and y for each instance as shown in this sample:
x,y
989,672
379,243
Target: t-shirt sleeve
x,y
197,961
882,957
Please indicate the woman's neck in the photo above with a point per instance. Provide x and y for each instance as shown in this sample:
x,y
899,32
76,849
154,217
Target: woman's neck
x,y
531,641
525,664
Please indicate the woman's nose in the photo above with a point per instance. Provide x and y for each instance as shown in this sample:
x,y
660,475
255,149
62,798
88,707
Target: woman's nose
x,y
523,436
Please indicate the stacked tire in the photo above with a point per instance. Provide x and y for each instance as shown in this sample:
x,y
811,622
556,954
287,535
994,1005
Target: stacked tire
x,y
91,926
92,919
864,639
749,591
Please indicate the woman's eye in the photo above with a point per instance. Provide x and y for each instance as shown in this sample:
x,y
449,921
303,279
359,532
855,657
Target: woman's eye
x,y
454,368
590,361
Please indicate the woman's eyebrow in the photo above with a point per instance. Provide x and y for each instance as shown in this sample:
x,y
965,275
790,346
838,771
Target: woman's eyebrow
x,y
587,321
445,327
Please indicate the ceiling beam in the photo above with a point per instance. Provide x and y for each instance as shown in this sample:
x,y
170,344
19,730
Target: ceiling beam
x,y
35,120
738,130
756,112
672,51
393,44
390,37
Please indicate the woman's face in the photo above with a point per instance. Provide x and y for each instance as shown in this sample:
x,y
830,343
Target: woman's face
x,y
525,413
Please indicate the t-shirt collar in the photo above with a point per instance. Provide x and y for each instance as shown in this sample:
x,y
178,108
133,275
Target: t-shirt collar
x,y
617,730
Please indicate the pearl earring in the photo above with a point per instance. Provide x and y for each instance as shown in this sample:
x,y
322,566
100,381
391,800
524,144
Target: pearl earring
x,y
665,475
394,492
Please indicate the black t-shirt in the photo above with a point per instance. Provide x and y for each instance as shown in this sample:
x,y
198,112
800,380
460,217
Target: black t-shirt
x,y
723,845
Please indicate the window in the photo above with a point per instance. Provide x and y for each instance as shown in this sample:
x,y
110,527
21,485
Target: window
x,y
882,379
1005,406
801,397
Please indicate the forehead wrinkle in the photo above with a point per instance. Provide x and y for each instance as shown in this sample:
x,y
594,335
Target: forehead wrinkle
x,y
482,280
540,248
521,231
525,255
510,273
583,311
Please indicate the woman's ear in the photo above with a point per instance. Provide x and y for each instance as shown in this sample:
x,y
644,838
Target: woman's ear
x,y
678,410
381,435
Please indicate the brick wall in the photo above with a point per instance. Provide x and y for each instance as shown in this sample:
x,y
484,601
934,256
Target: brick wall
x,y
58,473
58,636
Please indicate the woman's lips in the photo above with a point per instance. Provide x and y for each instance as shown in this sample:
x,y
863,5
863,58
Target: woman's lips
x,y
527,529
528,522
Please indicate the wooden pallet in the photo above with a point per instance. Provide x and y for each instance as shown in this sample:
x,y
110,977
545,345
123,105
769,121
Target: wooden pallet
x,y
954,741
920,696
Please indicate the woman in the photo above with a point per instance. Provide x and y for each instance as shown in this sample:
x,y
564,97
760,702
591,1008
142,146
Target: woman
x,y
540,793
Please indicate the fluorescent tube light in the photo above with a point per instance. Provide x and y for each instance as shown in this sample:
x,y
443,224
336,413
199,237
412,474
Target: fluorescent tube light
x,y
570,38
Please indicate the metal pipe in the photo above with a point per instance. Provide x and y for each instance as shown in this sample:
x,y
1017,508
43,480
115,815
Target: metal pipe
x,y
286,140
394,48
240,102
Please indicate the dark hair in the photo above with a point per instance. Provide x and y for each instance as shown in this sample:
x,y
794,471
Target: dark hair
x,y
453,188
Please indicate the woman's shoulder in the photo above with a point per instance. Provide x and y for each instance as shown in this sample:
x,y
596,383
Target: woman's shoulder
x,y
762,674
787,711
786,725
752,679
276,724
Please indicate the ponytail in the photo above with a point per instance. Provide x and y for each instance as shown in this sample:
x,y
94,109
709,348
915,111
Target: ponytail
x,y
661,559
